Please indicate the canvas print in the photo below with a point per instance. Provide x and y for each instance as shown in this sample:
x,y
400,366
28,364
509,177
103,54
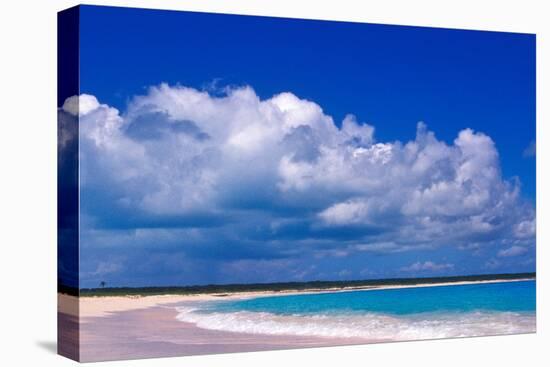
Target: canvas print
x,y
237,183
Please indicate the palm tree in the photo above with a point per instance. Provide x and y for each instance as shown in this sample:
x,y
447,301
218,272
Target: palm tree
x,y
102,284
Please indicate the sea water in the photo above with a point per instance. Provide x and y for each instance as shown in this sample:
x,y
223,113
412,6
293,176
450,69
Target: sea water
x,y
379,314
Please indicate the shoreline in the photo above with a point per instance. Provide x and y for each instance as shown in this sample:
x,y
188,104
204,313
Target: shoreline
x,y
100,328
155,332
101,306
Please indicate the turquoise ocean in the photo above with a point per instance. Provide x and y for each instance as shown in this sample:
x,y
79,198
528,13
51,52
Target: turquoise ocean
x,y
427,312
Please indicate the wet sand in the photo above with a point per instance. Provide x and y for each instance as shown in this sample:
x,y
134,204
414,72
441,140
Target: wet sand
x,y
155,332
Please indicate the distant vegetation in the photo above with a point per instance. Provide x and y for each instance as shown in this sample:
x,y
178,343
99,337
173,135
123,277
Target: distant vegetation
x,y
279,287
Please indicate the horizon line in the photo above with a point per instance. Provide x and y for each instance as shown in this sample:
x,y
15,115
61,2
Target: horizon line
x,y
492,276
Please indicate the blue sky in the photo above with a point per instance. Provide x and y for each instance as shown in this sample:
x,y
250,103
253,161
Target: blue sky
x,y
335,179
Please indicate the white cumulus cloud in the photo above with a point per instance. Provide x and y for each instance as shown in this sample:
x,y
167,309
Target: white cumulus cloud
x,y
512,251
427,266
178,156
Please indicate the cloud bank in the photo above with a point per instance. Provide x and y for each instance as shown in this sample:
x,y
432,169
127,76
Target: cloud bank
x,y
244,179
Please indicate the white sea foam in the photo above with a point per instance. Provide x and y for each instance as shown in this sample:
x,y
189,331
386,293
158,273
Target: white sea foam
x,y
370,326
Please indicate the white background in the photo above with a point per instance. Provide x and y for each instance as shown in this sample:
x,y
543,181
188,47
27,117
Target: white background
x,y
28,181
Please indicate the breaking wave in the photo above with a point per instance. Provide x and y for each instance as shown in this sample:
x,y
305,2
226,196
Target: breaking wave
x,y
371,326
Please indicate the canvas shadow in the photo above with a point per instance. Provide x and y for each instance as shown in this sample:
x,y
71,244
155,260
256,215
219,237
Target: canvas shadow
x,y
48,345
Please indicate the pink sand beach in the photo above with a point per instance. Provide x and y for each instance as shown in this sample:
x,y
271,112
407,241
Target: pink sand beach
x,y
114,328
